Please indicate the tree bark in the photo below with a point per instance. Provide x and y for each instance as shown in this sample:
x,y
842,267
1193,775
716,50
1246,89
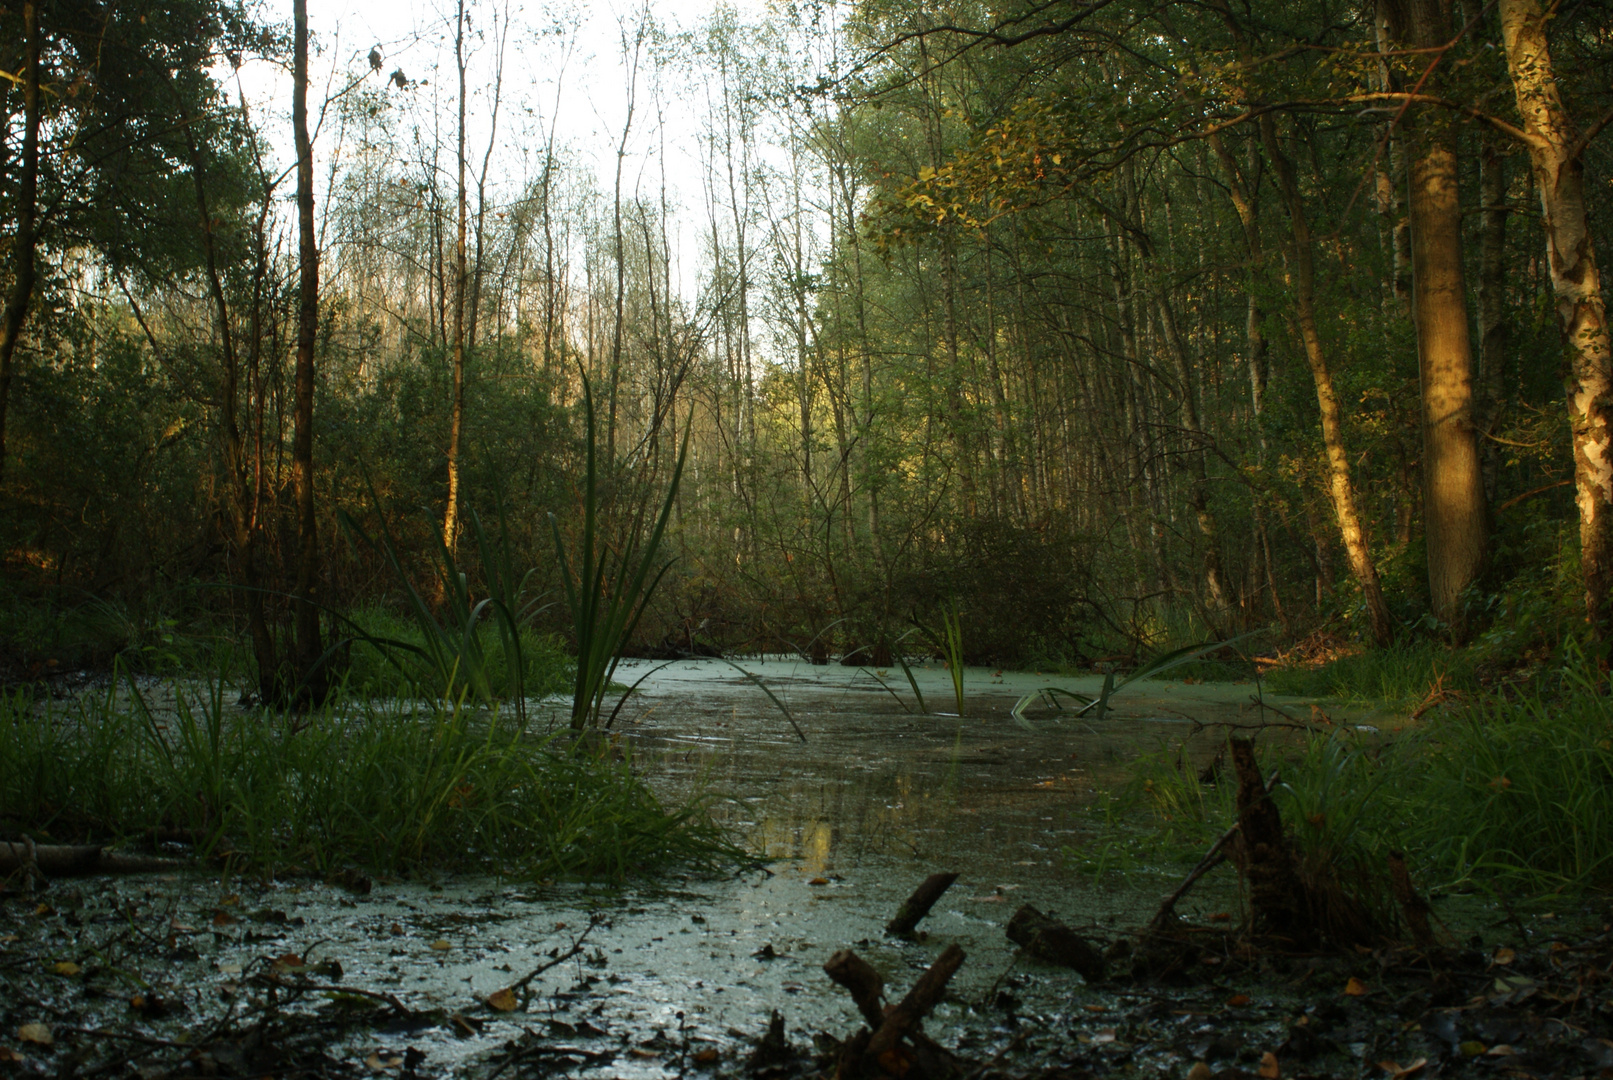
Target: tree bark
x,y
24,241
1454,513
310,649
1556,153
1341,485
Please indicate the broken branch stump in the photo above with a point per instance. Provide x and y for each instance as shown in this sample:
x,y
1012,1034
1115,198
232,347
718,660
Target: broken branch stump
x,y
1045,938
925,995
919,904
1412,906
865,984
1277,896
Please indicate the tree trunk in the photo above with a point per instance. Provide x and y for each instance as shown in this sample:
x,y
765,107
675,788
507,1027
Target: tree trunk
x,y
1341,486
1493,324
456,419
23,242
1454,516
310,667
1556,152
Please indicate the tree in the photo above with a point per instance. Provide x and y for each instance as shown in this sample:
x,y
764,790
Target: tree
x,y
1557,154
309,649
1454,511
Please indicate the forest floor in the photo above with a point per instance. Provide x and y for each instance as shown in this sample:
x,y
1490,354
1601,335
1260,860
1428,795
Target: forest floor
x,y
193,974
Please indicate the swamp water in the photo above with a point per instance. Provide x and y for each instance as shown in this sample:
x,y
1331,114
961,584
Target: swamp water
x,y
683,974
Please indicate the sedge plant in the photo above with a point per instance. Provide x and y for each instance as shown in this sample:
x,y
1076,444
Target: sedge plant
x,y
612,582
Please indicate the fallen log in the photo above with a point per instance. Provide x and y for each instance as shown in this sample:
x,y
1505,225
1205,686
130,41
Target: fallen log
x,y
919,904
1047,939
77,860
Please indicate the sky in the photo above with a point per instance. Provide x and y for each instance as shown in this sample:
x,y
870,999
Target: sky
x,y
564,65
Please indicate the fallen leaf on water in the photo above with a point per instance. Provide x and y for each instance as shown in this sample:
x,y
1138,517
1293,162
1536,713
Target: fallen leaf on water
x,y
441,945
229,969
7,939
1504,956
65,967
396,930
1355,987
1237,1001
1502,1050
1269,1069
378,1063
640,1052
35,1033
706,1056
1471,1048
223,918
44,909
1199,1071
1400,1072
8,1055
232,900
289,962
819,881
502,1000
1221,916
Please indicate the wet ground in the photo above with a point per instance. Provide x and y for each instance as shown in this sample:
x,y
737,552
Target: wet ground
x,y
192,975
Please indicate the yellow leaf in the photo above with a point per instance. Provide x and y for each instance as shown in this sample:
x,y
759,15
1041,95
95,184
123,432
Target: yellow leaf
x,y
1505,956
65,967
1269,1069
1355,987
441,945
35,1033
1237,1001
502,1000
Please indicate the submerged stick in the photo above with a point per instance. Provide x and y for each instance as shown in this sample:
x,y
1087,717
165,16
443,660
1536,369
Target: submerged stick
x,y
919,904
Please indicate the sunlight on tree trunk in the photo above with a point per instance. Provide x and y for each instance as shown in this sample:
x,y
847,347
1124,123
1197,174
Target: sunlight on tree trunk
x,y
1556,152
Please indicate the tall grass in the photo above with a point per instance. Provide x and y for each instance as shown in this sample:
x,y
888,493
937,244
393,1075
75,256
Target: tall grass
x,y
615,577
447,652
392,788
1511,795
1400,676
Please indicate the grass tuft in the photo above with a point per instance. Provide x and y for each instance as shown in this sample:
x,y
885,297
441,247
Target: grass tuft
x,y
393,788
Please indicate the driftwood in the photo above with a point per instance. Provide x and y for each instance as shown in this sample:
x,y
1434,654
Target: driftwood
x,y
919,904
1049,940
1277,897
75,860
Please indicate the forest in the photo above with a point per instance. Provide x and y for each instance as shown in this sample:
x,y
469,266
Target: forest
x,y
1106,324
388,459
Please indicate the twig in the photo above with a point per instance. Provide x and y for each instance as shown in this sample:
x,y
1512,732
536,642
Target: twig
x,y
556,961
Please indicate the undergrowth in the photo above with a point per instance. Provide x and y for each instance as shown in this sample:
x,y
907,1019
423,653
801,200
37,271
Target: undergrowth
x,y
391,788
373,671
1508,795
